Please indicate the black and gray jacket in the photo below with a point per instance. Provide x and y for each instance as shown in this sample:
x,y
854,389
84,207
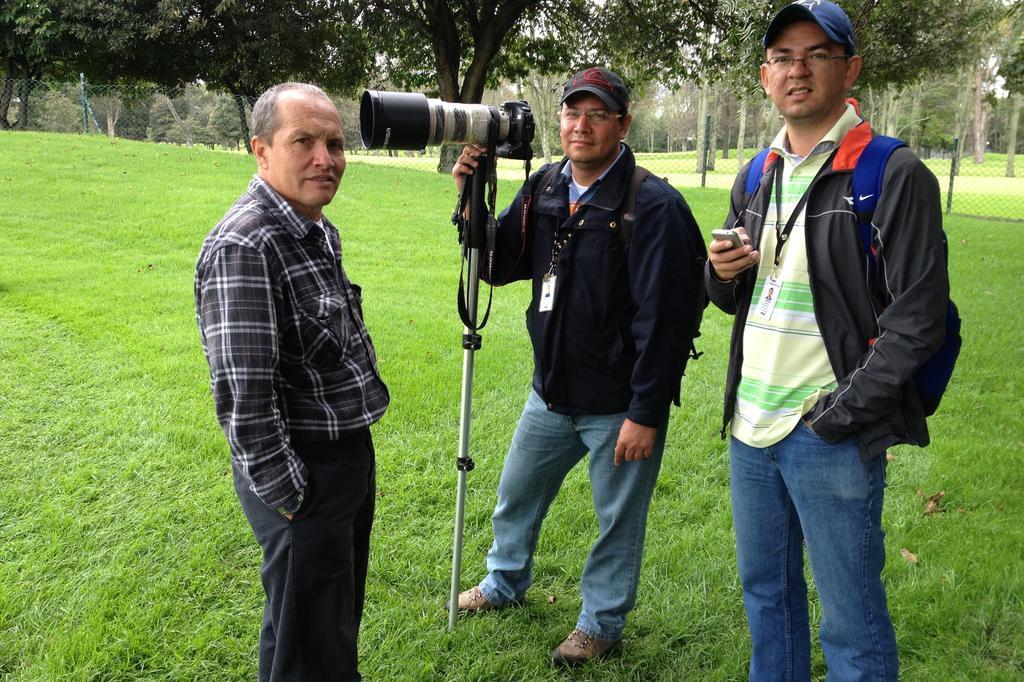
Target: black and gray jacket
x,y
877,330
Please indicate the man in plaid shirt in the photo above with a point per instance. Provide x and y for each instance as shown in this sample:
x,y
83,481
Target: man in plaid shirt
x,y
296,387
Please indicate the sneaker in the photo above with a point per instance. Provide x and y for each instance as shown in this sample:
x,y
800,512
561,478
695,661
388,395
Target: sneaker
x,y
474,600
579,647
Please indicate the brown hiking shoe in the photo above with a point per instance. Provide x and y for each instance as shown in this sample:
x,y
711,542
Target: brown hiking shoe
x,y
579,647
474,600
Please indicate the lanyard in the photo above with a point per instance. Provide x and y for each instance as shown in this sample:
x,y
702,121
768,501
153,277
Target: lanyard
x,y
782,236
556,249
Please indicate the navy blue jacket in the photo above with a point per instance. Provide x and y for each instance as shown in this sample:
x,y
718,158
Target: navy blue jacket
x,y
618,335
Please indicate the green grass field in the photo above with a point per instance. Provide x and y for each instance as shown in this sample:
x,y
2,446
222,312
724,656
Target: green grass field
x,y
124,554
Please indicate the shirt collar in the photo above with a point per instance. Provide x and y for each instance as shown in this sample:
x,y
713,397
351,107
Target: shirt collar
x,y
849,120
293,221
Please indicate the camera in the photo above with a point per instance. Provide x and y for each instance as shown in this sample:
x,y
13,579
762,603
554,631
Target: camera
x,y
409,120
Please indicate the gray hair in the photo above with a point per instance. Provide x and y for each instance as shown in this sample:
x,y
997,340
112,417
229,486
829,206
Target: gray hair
x,y
264,112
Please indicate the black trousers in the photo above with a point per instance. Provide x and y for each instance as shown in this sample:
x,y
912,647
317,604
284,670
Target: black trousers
x,y
314,566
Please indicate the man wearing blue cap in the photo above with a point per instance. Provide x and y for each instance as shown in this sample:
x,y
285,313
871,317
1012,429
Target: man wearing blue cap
x,y
819,381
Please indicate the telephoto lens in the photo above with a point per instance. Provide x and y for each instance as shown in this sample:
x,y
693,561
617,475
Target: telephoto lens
x,y
409,120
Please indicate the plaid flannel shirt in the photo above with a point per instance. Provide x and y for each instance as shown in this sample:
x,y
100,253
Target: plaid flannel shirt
x,y
282,329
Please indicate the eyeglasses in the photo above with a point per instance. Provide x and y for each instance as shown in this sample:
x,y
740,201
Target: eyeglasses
x,y
594,115
815,60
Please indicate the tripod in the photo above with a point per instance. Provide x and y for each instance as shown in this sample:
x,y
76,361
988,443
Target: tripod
x,y
474,236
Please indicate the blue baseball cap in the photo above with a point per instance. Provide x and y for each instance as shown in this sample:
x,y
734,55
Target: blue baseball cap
x,y
828,15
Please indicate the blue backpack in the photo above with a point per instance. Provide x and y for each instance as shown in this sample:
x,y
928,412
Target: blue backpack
x,y
933,377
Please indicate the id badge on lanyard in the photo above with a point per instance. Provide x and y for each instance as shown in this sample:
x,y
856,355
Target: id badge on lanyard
x,y
547,293
769,297
547,286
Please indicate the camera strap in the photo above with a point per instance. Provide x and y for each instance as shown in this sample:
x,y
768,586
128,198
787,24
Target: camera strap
x,y
490,166
462,225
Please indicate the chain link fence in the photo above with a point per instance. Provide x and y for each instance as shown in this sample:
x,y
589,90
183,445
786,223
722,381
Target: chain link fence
x,y
670,135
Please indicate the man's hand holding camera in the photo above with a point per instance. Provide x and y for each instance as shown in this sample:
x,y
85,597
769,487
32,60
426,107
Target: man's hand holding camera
x,y
467,162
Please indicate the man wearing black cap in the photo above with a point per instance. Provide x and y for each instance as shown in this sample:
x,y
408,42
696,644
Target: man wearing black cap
x,y
611,322
819,381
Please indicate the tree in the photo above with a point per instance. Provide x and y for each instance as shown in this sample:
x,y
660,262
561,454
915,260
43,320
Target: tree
x,y
456,49
984,71
238,46
182,124
653,115
430,40
987,57
60,38
224,127
1012,71
544,93
903,41
702,127
108,108
436,43
900,42
34,36
741,135
1011,139
53,110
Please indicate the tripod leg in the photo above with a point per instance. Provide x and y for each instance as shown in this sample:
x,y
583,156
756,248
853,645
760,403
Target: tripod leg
x,y
475,242
470,344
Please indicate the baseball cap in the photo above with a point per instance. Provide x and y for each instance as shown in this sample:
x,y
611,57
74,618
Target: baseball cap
x,y
601,82
828,15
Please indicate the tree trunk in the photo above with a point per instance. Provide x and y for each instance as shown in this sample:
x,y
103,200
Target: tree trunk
x,y
916,125
24,91
868,102
448,73
1011,142
980,115
111,108
7,94
491,26
725,115
447,50
449,155
712,131
891,99
740,146
768,125
962,116
494,22
30,74
702,112
185,128
240,105
543,100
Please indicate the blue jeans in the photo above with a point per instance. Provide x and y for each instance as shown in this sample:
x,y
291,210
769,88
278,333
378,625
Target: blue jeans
x,y
545,447
804,490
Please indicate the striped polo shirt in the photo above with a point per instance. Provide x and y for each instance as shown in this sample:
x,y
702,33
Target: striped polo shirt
x,y
786,369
